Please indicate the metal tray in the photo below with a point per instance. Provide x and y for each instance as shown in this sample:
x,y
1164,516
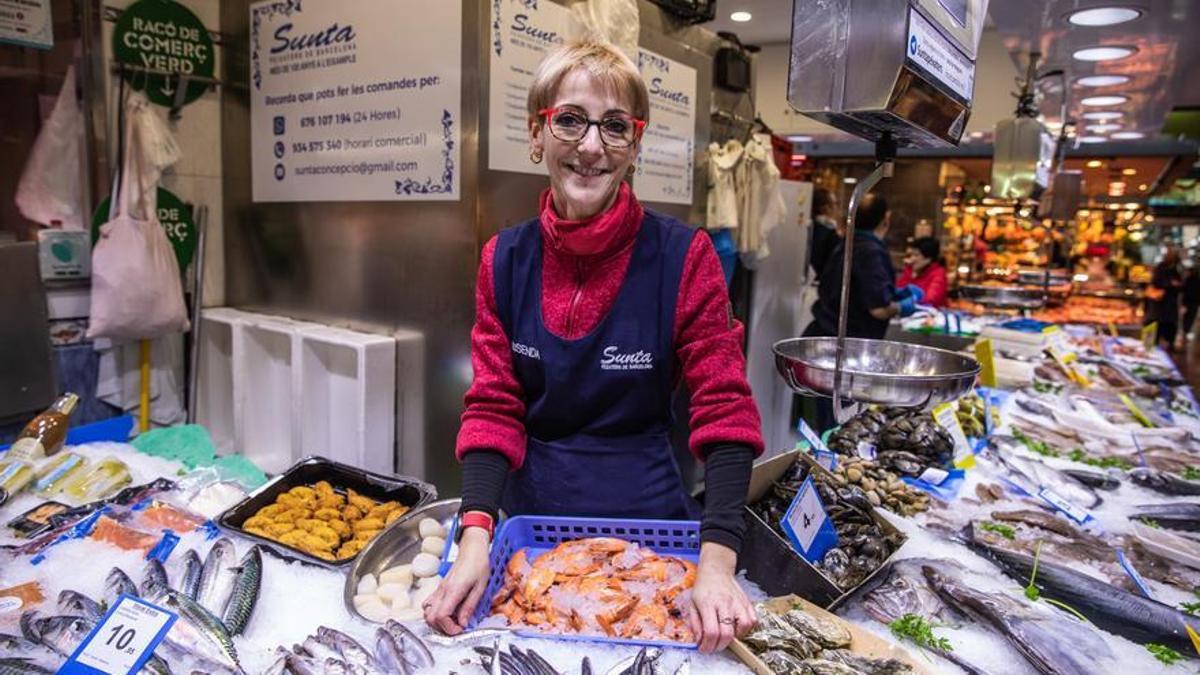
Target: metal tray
x,y
876,371
408,491
1011,297
769,559
398,544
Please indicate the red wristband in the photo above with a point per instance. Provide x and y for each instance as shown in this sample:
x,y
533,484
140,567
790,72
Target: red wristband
x,y
477,519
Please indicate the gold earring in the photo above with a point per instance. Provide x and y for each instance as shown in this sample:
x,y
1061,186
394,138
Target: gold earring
x,y
535,156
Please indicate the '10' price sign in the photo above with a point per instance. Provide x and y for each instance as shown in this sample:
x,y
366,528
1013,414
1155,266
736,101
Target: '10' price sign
x,y
123,641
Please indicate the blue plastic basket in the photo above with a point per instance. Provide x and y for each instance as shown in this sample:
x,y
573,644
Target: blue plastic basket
x,y
678,538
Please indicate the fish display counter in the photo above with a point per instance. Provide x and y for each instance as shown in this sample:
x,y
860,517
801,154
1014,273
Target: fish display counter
x,y
1047,525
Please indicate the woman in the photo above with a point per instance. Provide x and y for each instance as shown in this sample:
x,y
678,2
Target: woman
x,y
923,269
1163,297
586,318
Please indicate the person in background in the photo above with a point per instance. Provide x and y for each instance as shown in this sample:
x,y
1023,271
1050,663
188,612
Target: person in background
x,y
923,268
1162,297
1191,300
825,230
874,299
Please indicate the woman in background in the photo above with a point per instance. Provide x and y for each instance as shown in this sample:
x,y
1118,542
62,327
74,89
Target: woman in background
x,y
923,269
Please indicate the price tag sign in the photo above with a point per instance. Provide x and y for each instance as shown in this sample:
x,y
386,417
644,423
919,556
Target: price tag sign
x,y
1133,574
944,415
123,641
1150,335
1136,411
807,525
1062,505
987,362
1065,360
820,452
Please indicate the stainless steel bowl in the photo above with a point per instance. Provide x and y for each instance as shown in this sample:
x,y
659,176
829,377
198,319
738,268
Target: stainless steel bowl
x,y
396,545
876,371
1013,297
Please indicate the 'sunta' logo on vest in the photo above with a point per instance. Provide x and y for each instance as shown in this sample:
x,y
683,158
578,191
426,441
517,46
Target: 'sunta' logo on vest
x,y
616,360
526,350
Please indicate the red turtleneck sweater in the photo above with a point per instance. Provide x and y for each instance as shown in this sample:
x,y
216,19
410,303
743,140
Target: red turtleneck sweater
x,y
583,265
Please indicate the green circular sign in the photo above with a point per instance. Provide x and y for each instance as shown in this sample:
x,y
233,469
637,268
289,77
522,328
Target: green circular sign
x,y
166,37
176,219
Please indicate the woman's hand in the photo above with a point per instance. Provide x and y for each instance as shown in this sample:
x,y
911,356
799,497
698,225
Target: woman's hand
x,y
721,610
452,604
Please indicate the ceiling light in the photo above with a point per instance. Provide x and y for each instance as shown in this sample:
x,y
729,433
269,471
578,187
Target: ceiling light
x,y
1103,128
1094,164
1143,187
1128,135
1103,16
1133,206
1114,207
800,139
1102,115
849,180
1114,99
1102,80
741,17
1129,172
1092,139
1102,53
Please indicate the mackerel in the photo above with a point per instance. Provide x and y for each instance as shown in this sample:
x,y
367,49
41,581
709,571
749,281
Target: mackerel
x,y
245,592
217,576
154,578
116,584
74,602
189,578
198,632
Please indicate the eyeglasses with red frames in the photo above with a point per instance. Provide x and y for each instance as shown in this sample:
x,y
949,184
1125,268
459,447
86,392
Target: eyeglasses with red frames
x,y
570,124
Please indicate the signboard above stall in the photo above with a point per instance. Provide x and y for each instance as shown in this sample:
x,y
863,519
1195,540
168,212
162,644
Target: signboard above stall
x,y
161,40
905,69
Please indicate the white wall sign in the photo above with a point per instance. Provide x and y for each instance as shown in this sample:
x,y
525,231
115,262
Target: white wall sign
x,y
667,158
355,100
521,34
27,23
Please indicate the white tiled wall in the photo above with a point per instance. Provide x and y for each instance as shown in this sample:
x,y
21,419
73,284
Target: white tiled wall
x,y
196,178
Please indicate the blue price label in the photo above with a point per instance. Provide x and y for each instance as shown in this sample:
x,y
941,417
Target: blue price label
x,y
807,526
814,441
1064,506
123,641
1133,574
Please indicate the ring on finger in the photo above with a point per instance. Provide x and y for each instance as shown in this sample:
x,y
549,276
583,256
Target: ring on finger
x,y
729,621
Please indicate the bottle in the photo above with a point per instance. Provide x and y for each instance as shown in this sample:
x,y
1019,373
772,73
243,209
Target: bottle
x,y
44,435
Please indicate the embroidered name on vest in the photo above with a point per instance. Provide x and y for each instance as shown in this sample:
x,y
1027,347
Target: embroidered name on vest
x,y
615,360
526,350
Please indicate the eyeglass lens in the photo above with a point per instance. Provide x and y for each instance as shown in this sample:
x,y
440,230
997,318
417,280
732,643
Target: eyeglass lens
x,y
572,125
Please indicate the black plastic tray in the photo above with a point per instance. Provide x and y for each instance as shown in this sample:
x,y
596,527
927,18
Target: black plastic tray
x,y
772,563
410,492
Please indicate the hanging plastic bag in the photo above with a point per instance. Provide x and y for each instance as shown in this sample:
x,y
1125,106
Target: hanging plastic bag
x,y
137,293
51,187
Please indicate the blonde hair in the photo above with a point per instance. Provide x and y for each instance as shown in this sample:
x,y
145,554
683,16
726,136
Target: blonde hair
x,y
603,61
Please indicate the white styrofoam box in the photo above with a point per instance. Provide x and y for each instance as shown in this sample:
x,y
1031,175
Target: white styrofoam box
x,y
410,403
215,403
69,302
346,393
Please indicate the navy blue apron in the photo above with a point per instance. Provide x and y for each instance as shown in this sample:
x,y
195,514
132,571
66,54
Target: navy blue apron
x,y
598,408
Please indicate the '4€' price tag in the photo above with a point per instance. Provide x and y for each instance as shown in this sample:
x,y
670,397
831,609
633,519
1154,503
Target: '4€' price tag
x,y
123,641
807,525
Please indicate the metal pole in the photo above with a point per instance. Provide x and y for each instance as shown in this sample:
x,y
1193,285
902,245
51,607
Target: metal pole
x,y
197,305
882,170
